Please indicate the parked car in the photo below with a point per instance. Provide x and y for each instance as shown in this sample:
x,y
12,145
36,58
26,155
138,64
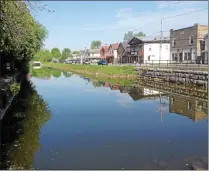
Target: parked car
x,y
102,62
86,62
69,62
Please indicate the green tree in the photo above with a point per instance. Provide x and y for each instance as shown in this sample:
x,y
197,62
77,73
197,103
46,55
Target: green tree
x,y
139,34
56,53
43,56
130,35
96,44
21,36
75,52
66,52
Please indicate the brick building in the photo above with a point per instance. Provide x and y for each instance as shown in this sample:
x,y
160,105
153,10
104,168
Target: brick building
x,y
185,44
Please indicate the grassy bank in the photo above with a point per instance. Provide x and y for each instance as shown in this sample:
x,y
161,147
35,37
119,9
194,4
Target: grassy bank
x,y
96,70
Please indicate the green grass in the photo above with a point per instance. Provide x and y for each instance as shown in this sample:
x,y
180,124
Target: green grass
x,y
108,71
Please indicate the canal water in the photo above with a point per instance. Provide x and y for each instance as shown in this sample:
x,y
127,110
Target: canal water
x,y
67,121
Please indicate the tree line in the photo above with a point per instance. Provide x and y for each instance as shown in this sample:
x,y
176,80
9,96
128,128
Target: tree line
x,y
46,55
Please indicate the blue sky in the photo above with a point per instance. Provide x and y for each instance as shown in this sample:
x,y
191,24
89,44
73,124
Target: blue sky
x,y
75,24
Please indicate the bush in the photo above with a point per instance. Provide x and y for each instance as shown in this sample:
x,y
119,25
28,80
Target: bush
x,y
14,88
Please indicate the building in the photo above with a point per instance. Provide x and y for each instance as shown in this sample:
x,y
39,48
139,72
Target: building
x,y
204,49
123,52
147,50
94,54
185,43
112,54
104,51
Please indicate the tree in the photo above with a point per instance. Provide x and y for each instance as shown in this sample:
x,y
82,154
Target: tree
x,y
96,44
75,52
43,56
140,34
56,53
130,35
20,34
65,53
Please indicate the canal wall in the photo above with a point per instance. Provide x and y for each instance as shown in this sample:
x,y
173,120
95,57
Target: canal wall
x,y
191,91
176,76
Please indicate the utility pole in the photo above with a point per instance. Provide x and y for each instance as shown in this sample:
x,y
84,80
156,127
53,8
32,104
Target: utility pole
x,y
161,35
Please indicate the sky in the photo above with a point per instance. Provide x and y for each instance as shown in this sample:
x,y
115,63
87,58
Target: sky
x,y
75,24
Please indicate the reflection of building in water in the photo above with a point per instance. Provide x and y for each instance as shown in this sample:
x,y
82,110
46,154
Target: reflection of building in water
x,y
138,93
193,109
114,87
106,85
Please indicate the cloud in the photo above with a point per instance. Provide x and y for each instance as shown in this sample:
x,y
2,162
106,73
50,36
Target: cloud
x,y
149,22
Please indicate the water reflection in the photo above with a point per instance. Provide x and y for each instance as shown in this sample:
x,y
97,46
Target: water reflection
x,y
47,73
100,124
20,129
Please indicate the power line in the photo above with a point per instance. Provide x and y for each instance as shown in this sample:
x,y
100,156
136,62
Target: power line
x,y
185,13
170,17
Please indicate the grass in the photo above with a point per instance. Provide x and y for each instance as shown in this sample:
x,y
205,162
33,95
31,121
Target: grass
x,y
99,70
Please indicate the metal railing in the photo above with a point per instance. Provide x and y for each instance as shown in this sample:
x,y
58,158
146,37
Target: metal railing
x,y
170,64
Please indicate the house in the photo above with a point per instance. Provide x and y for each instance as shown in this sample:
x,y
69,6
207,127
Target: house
x,y
204,49
147,50
185,43
123,52
94,54
112,56
104,51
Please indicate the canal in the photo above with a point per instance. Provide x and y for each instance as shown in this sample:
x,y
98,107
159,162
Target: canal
x,y
66,121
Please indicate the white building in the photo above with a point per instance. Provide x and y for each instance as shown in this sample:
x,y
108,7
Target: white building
x,y
154,54
94,54
149,50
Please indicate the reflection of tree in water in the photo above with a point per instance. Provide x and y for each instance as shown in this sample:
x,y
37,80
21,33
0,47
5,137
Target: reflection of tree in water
x,y
67,74
45,73
21,128
41,73
56,73
96,83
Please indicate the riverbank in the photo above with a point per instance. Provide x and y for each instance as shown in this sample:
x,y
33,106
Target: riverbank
x,y
127,72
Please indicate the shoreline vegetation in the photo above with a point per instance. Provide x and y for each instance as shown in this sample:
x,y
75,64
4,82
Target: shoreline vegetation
x,y
114,72
46,73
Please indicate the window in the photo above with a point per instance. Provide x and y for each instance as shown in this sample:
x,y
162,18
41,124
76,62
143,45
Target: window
x,y
189,105
132,49
185,56
150,48
202,44
149,57
189,56
172,100
176,56
191,40
173,56
173,43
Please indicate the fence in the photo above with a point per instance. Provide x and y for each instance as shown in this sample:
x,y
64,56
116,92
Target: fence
x,y
170,64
